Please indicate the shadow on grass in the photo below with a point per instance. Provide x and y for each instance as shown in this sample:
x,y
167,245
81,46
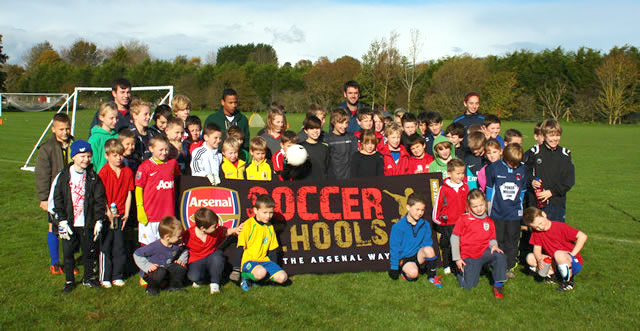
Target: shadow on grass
x,y
623,212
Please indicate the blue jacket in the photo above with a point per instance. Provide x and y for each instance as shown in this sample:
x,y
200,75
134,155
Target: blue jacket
x,y
505,190
406,240
353,120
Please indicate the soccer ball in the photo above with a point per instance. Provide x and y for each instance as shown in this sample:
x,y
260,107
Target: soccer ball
x,y
296,155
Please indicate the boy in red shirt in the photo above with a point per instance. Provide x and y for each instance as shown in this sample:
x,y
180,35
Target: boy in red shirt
x,y
561,242
118,184
474,244
287,139
203,241
396,157
420,160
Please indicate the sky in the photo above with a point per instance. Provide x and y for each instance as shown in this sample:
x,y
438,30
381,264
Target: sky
x,y
311,29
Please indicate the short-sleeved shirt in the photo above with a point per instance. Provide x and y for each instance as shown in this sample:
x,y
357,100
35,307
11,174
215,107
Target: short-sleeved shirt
x,y
117,188
199,249
158,188
475,234
258,239
559,237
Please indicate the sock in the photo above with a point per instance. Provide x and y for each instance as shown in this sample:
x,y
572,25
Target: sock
x,y
52,241
497,284
431,267
248,275
564,271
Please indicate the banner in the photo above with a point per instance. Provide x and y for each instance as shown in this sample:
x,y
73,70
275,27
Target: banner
x,y
322,226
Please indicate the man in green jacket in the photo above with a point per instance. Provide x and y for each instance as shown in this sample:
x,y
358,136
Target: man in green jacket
x,y
228,115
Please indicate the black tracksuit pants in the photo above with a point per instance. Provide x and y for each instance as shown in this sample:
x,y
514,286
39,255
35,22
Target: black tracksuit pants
x,y
82,237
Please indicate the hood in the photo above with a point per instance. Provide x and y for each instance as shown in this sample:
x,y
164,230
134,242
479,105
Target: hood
x,y
99,131
438,140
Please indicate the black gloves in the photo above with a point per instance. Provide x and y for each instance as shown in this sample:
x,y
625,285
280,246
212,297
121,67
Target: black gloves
x,y
394,274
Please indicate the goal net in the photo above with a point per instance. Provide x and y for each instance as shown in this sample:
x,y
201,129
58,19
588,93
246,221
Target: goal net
x,y
31,102
158,94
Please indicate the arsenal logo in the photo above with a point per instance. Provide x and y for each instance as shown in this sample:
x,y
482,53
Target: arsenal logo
x,y
224,202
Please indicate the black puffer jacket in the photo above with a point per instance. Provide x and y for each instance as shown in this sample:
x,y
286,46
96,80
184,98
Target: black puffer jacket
x,y
94,199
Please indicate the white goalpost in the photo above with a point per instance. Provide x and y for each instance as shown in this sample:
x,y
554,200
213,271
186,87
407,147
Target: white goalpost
x,y
73,100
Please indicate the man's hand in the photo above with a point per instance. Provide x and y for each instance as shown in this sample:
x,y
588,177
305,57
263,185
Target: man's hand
x,y
544,195
394,274
44,205
64,231
536,184
460,263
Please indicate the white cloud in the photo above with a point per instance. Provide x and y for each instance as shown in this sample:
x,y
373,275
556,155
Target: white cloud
x,y
312,29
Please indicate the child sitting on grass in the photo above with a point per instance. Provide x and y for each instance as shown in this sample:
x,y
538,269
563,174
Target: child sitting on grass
x,y
473,245
164,262
259,241
410,245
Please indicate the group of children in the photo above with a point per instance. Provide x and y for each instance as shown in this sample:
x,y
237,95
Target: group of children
x,y
91,192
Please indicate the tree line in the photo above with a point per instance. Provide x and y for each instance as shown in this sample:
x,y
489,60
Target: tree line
x,y
582,85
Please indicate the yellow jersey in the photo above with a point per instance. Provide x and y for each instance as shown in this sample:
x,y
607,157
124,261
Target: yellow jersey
x,y
258,170
258,239
229,170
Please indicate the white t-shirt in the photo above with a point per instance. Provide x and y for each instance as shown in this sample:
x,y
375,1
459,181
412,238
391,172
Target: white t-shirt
x,y
77,187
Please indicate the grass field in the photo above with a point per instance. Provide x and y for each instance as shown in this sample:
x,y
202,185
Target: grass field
x,y
605,204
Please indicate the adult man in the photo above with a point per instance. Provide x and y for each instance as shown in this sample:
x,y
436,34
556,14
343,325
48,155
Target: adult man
x,y
351,104
228,115
121,93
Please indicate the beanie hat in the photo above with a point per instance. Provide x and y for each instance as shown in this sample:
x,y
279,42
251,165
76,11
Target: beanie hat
x,y
80,146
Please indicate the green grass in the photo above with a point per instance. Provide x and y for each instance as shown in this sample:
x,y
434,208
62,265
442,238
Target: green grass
x,y
606,160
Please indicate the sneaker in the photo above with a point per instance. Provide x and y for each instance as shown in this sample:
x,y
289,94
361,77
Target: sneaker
x,y
56,269
497,292
68,287
196,285
152,291
143,283
511,274
447,270
566,286
436,281
118,282
92,283
214,288
106,284
235,275
245,285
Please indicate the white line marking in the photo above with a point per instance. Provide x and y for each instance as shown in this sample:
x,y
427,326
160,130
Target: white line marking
x,y
637,242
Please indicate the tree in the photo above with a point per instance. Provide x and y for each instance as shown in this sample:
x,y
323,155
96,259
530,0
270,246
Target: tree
x,y
49,56
14,74
409,71
618,76
131,52
211,57
369,87
325,79
387,66
31,57
241,54
82,53
552,95
501,93
3,60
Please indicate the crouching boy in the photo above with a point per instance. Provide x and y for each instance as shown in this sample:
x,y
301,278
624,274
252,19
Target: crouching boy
x,y
79,208
163,261
411,245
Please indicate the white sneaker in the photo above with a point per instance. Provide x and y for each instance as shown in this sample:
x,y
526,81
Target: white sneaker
x,y
447,270
195,285
106,284
118,282
214,288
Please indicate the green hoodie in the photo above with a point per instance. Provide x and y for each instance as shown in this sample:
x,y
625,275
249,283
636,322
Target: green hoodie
x,y
439,165
99,136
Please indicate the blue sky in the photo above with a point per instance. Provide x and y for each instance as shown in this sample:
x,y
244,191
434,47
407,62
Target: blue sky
x,y
310,29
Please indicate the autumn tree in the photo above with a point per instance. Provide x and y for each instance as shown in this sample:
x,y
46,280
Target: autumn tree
x,y
409,66
131,52
553,97
618,76
3,60
500,90
81,53
31,57
325,79
387,67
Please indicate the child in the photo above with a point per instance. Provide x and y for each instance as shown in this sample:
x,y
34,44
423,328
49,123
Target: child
x,y
378,123
473,245
260,168
559,241
537,135
206,159
422,123
79,208
52,158
342,145
396,157
471,115
409,126
276,125
492,126
194,140
231,167
163,260
155,191
410,245
118,184
278,160
181,107
366,122
398,115
434,129
512,136
140,113
475,159
550,172
450,205
318,151
105,130
175,129
128,140
506,185
236,133
161,115
367,162
205,254
493,153
455,133
443,152
259,241
419,161
319,112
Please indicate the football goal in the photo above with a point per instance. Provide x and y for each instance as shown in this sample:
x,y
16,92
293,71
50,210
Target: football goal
x,y
32,102
72,101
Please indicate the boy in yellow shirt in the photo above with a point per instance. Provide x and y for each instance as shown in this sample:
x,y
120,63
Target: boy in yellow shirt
x,y
231,167
260,167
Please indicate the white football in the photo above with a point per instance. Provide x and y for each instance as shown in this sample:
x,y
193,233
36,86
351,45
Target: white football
x,y
296,155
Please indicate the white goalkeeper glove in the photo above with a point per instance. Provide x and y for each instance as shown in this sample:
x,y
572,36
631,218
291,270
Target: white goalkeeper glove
x,y
214,179
64,231
96,230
